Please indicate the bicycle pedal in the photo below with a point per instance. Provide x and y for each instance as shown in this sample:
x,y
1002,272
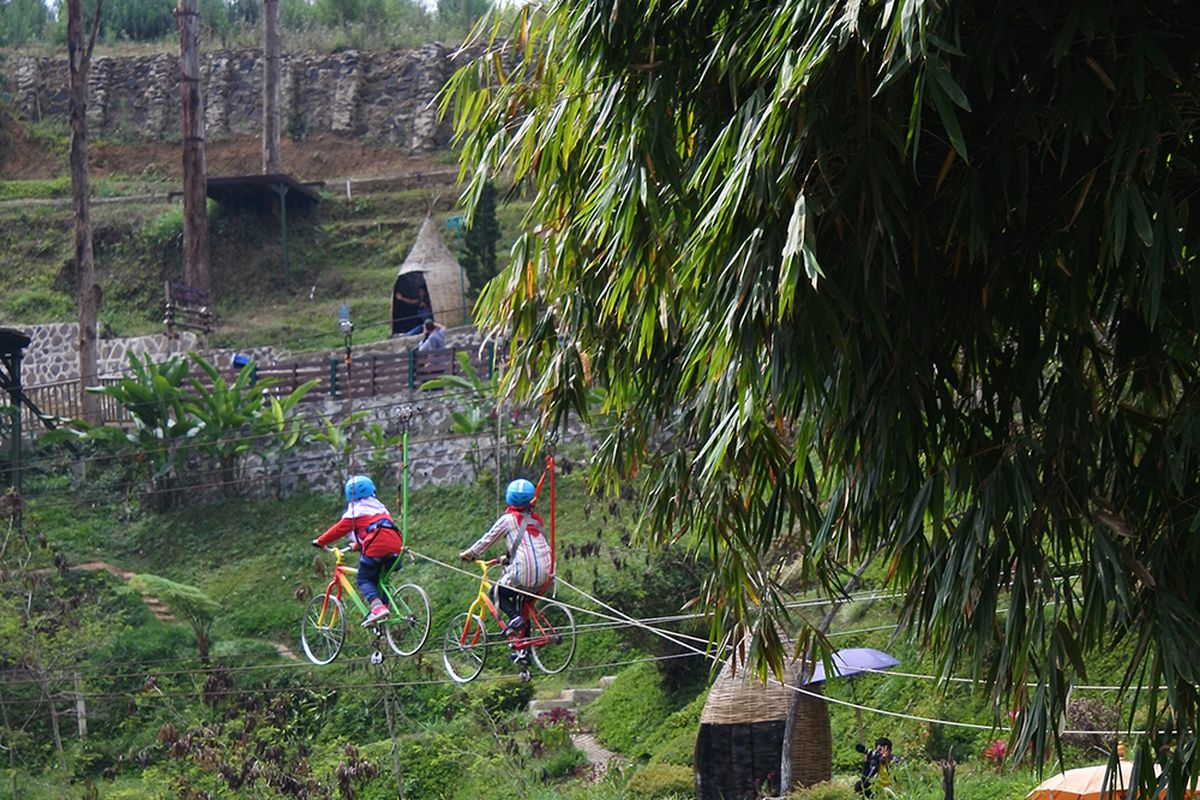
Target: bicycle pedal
x,y
524,676
378,631
377,657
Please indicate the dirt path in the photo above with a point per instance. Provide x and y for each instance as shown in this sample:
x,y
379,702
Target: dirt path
x,y
157,607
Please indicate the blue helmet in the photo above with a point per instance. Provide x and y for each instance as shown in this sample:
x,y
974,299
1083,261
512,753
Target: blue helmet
x,y
359,487
520,493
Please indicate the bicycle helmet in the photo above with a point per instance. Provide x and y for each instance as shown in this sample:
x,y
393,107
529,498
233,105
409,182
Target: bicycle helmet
x,y
520,493
359,487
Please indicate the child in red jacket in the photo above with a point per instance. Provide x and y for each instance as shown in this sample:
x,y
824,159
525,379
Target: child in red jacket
x,y
371,530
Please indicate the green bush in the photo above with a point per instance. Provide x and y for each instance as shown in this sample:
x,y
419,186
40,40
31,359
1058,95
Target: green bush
x,y
41,189
658,781
829,790
432,766
506,694
619,715
562,763
678,734
34,305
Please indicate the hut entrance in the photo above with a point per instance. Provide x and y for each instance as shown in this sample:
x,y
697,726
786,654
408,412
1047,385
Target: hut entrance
x,y
430,284
410,304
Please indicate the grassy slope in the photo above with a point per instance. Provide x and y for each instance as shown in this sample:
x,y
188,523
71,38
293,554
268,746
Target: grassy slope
x,y
252,556
343,253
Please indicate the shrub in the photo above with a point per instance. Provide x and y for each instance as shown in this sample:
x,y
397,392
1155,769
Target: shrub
x,y
678,734
619,715
507,694
662,781
829,790
995,752
1091,714
562,763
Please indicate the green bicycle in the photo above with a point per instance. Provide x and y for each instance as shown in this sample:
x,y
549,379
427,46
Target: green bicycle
x,y
323,626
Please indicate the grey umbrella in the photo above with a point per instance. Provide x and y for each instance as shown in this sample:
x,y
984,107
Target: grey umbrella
x,y
852,661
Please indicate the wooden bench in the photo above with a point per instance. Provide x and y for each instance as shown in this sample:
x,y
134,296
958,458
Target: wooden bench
x,y
428,364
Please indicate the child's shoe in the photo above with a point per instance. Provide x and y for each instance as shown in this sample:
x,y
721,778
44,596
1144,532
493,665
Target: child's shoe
x,y
519,657
378,611
515,625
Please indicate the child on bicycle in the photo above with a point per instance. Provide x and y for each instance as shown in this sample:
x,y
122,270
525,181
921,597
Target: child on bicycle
x,y
529,568
371,530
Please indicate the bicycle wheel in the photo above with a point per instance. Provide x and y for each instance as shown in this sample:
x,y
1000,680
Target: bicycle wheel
x,y
552,637
408,625
323,629
464,648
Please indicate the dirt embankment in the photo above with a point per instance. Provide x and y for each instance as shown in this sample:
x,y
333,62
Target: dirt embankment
x,y
320,158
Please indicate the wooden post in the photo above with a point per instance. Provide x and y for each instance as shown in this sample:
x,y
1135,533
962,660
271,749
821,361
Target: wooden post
x,y
195,171
87,291
271,114
80,706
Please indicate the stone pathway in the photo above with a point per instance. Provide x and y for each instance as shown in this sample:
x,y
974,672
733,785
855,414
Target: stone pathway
x,y
598,756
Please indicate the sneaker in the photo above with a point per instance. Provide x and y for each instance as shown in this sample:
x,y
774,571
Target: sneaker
x,y
515,625
378,611
519,657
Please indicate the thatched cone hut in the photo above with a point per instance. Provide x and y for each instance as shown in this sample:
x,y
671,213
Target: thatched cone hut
x,y
432,267
740,745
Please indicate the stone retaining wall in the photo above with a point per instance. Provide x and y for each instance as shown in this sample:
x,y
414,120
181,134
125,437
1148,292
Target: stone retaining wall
x,y
437,455
382,97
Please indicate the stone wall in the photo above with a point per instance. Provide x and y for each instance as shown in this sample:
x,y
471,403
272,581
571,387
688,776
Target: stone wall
x,y
53,352
382,97
436,454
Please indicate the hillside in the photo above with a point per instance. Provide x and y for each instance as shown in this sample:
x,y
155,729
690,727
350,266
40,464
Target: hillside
x,y
140,673
346,252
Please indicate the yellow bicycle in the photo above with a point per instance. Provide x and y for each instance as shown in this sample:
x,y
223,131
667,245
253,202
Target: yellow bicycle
x,y
323,626
549,635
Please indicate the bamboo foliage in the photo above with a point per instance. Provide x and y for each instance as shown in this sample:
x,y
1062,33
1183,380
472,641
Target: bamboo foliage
x,y
900,274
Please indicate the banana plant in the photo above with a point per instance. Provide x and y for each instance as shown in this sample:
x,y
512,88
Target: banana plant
x,y
337,434
226,413
283,429
156,441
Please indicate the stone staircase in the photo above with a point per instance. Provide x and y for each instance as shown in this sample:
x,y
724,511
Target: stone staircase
x,y
570,699
598,756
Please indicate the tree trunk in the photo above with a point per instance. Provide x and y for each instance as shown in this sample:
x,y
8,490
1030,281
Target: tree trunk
x,y
948,778
195,175
87,291
789,726
271,116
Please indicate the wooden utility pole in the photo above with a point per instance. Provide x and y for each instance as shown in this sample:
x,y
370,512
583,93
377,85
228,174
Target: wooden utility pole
x,y
271,115
87,291
195,173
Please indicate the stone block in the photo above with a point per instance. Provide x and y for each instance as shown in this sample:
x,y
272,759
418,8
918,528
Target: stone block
x,y
539,706
581,697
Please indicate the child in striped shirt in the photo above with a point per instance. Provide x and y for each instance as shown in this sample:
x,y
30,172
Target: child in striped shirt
x,y
529,565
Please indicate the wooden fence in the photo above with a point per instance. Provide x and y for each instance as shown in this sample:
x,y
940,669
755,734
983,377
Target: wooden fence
x,y
61,399
373,375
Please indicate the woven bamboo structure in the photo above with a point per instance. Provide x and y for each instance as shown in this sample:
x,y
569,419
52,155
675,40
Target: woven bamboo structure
x,y
430,259
739,747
